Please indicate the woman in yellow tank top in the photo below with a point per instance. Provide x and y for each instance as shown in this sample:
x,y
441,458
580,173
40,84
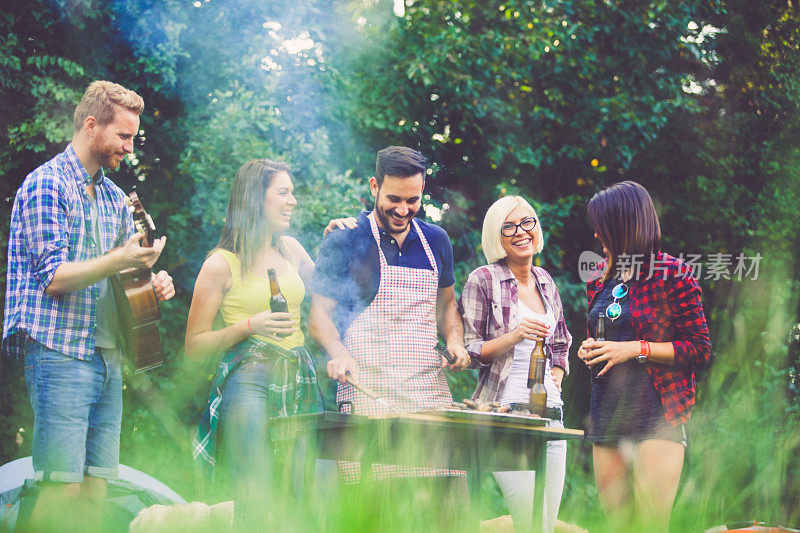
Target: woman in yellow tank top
x,y
264,362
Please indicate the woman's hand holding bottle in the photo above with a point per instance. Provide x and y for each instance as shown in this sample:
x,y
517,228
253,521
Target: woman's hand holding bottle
x,y
530,329
273,325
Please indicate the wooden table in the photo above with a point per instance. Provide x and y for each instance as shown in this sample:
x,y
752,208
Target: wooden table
x,y
464,440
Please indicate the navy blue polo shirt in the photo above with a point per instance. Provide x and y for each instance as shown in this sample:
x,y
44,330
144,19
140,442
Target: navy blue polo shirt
x,y
348,268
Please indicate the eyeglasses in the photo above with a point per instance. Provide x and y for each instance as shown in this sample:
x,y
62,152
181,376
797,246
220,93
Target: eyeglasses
x,y
509,229
614,310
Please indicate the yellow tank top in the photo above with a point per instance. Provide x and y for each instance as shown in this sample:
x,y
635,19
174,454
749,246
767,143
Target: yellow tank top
x,y
250,296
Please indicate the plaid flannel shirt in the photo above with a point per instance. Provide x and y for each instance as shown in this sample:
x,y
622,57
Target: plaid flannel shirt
x,y
488,305
50,225
665,305
292,389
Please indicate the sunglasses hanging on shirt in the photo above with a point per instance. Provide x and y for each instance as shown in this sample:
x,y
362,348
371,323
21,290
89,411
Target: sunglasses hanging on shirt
x,y
614,309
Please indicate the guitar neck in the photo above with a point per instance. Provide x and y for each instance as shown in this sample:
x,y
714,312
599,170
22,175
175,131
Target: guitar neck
x,y
142,220
144,225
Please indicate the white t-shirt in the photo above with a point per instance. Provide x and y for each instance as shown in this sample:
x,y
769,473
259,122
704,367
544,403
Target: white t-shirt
x,y
516,390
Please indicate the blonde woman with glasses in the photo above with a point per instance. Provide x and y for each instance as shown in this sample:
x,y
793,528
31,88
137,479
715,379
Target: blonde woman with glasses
x,y
507,305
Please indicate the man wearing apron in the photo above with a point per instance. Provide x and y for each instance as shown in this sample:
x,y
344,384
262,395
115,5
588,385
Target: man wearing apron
x,y
379,292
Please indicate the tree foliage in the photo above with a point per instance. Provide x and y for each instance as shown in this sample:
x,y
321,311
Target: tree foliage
x,y
526,90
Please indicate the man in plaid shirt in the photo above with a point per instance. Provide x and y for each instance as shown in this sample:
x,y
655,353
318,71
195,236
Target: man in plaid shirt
x,y
70,231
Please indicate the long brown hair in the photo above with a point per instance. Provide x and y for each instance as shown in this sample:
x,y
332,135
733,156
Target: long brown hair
x,y
626,222
245,230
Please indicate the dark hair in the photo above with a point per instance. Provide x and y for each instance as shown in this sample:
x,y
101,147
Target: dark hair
x,y
626,222
400,162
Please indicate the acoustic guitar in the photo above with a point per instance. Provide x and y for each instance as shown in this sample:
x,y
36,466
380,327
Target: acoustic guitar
x,y
137,305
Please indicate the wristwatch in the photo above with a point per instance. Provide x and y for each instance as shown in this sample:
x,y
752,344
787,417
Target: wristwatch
x,y
644,352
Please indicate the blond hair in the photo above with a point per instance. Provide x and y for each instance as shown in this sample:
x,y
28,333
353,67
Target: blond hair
x,y
495,217
100,101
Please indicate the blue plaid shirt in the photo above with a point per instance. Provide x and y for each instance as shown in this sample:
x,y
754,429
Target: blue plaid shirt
x,y
51,224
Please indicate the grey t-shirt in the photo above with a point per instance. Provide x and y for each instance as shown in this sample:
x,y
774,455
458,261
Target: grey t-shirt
x,y
107,323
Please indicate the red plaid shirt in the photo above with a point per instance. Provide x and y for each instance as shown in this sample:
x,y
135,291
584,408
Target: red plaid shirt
x,y
665,307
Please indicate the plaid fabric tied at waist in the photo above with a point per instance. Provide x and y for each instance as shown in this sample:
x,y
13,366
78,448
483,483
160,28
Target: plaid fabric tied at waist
x,y
292,389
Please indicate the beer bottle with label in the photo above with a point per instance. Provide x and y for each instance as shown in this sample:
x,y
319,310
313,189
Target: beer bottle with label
x,y
277,303
538,400
600,335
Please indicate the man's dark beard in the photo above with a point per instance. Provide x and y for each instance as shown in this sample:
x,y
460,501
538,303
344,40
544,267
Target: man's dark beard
x,y
388,225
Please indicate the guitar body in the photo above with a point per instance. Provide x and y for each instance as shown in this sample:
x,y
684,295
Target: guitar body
x,y
137,305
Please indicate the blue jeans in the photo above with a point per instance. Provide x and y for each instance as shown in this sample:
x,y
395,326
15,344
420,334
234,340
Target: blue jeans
x,y
244,424
77,413
245,412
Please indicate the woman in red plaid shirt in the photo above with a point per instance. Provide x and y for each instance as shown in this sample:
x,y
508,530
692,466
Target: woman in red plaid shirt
x,y
656,337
